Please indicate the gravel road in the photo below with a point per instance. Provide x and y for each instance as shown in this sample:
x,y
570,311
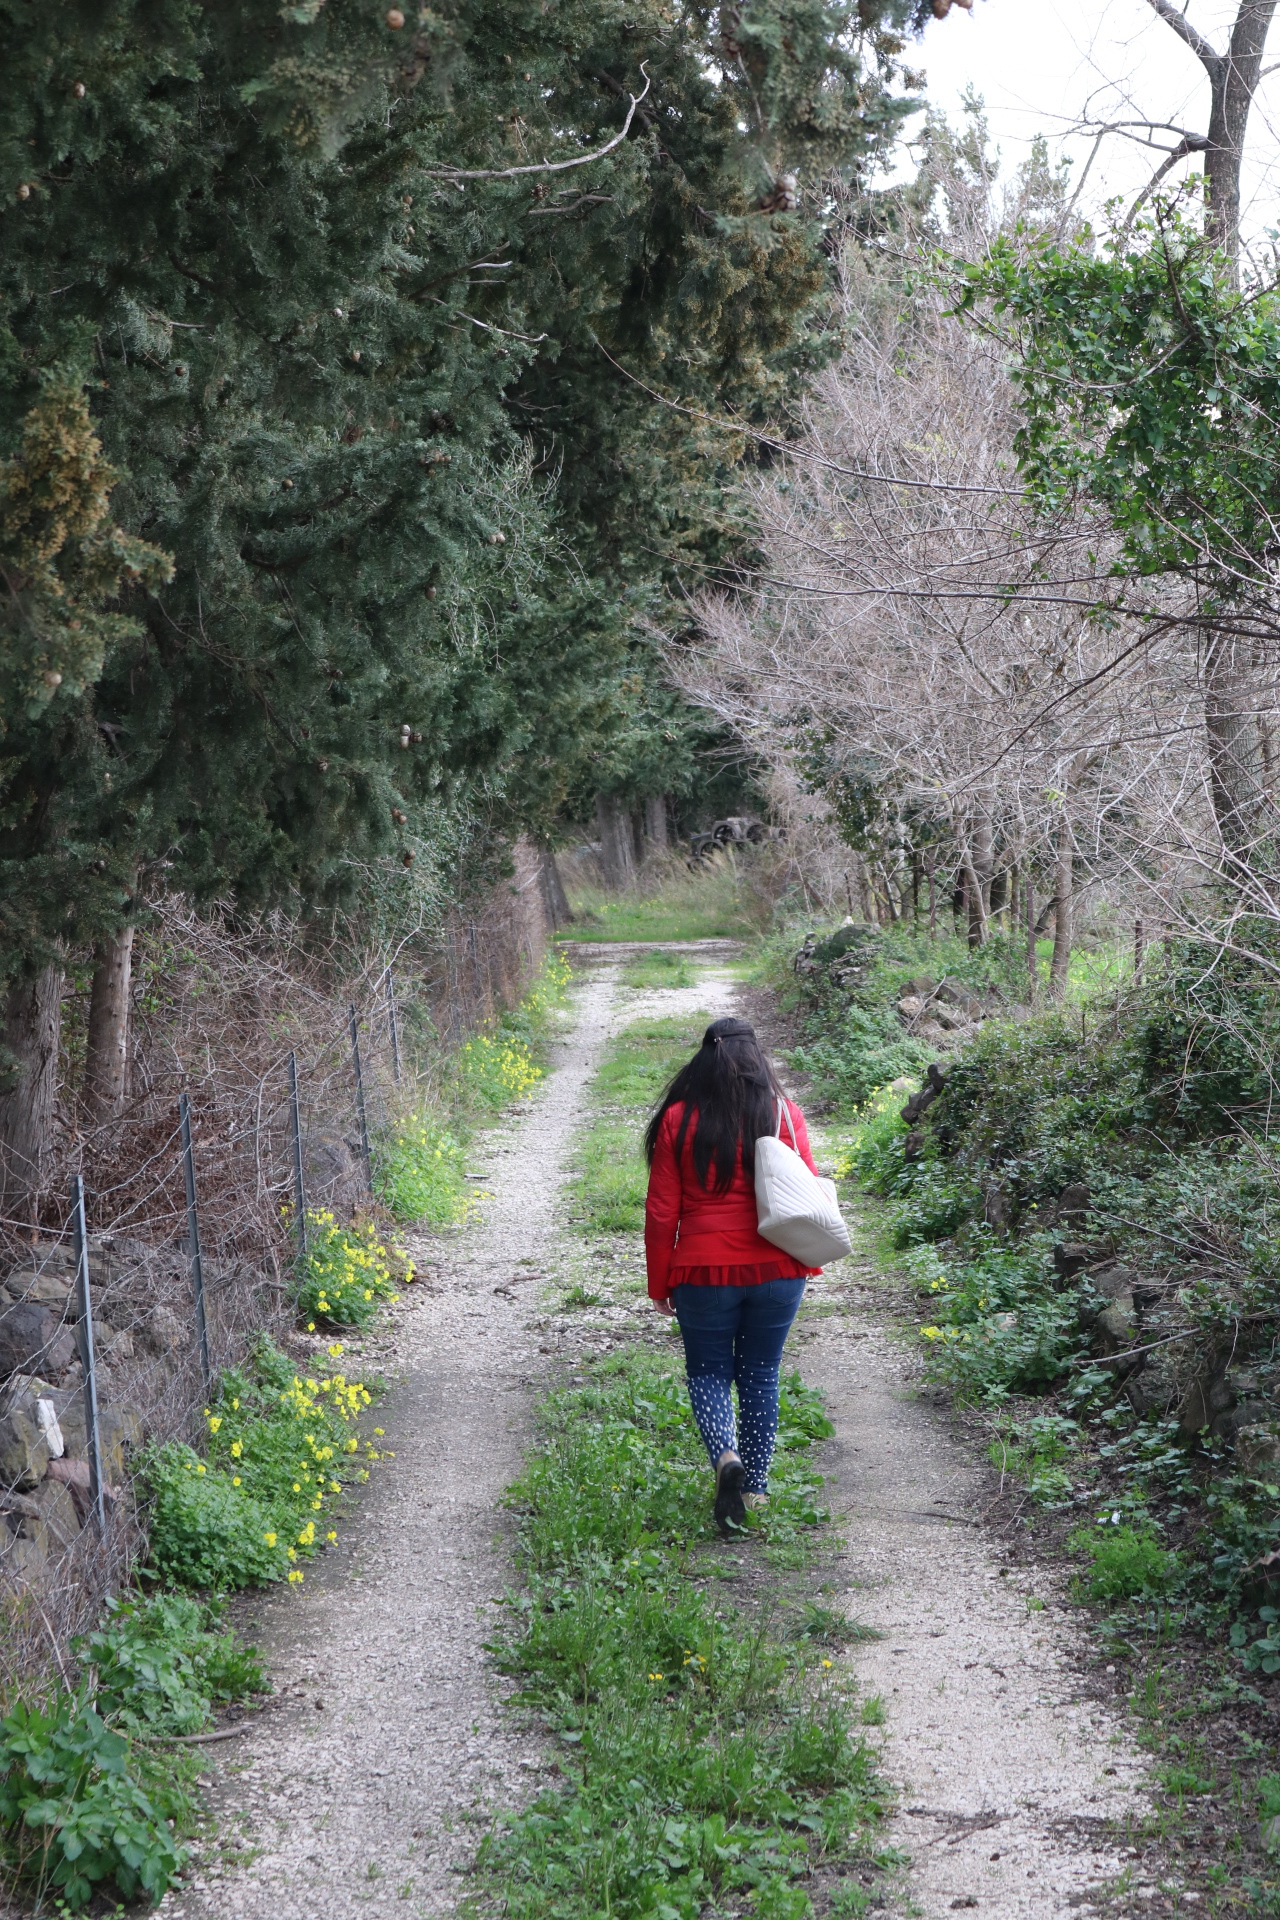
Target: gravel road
x,y
362,1790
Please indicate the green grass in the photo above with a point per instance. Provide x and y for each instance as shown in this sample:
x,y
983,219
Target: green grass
x,y
660,969
693,907
708,1762
609,1174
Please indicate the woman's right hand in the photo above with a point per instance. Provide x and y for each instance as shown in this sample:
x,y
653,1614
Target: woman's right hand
x,y
665,1307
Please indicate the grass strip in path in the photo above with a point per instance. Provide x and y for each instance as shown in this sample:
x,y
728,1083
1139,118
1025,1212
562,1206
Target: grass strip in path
x,y
705,1735
610,1177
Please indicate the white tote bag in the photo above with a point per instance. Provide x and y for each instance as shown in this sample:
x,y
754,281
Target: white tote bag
x,y
798,1211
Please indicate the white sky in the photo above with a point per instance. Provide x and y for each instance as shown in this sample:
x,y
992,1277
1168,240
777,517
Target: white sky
x,y
1046,66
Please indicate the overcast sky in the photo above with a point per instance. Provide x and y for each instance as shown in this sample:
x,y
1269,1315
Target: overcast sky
x,y
1046,66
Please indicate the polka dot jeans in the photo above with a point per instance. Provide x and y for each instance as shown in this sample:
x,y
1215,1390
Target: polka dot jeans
x,y
733,1336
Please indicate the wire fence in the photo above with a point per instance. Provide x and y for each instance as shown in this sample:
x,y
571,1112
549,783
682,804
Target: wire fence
x,y
262,1080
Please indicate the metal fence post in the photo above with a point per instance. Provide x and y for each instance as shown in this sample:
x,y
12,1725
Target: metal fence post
x,y
295,1134
395,1030
93,1438
364,1124
193,1241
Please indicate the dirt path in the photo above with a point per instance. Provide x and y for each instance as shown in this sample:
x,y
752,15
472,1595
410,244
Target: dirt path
x,y
1010,1765
356,1793
364,1787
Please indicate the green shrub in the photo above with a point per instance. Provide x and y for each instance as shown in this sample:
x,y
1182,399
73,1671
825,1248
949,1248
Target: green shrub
x,y
82,1810
1128,1561
346,1274
161,1667
997,1324
205,1530
280,1449
420,1173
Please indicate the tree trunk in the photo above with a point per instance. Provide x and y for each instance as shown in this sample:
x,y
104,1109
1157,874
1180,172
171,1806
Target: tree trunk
x,y
976,905
1232,731
106,1070
1233,85
933,898
28,1084
1033,974
1064,876
983,862
617,842
555,901
656,832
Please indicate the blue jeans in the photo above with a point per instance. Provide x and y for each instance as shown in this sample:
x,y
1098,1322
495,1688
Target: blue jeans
x,y
734,1336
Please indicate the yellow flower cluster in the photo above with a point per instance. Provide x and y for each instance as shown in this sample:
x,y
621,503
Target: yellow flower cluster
x,y
345,1266
499,1066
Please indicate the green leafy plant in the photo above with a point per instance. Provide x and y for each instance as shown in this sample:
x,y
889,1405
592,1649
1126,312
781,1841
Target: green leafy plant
x,y
420,1173
280,1449
705,1761
1127,1561
82,1810
160,1667
345,1275
659,970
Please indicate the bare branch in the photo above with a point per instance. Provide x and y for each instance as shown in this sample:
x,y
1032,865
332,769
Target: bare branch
x,y
548,166
1208,57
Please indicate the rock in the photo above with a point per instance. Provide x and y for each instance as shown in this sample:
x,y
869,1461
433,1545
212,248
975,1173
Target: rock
x,y
1269,1833
954,993
119,1427
910,1007
950,1019
44,1288
31,1336
913,1145
1072,1204
1258,1449
24,1450
56,1523
1114,1329
163,1331
923,986
23,1561
1156,1384
1115,1281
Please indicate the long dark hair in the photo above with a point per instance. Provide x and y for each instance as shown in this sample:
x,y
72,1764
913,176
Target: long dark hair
x,y
728,1084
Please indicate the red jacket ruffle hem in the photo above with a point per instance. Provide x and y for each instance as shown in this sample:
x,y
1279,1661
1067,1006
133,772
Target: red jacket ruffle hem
x,y
691,1234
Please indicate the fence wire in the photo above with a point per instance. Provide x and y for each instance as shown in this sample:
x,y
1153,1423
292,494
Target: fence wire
x,y
216,1019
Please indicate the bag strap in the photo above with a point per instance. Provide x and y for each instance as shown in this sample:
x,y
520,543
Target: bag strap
x,y
784,1110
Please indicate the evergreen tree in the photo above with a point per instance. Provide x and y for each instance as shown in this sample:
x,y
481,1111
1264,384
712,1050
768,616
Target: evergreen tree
x,y
389,424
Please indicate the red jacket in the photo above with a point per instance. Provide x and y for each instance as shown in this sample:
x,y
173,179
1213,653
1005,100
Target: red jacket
x,y
686,1226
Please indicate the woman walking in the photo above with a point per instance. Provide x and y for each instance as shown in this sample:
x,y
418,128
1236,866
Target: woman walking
x,y
733,1293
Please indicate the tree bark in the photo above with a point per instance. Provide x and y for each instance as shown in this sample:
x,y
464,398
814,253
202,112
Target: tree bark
x,y
1033,972
976,905
28,1085
617,841
1232,731
1233,88
106,1071
555,901
656,831
1064,876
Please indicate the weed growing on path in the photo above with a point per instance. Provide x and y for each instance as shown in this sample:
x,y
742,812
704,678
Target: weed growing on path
x,y
610,1178
703,906
705,1757
659,970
